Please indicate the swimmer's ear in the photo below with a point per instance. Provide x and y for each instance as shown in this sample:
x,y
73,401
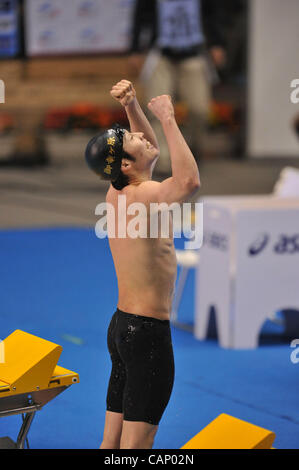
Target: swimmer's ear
x,y
126,165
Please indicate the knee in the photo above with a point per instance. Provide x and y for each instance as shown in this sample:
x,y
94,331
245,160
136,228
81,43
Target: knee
x,y
138,442
110,444
151,440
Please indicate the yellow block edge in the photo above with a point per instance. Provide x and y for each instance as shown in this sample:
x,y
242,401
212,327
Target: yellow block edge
x,y
31,365
228,432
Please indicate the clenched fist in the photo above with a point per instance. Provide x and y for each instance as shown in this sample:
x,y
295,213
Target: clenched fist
x,y
123,92
161,107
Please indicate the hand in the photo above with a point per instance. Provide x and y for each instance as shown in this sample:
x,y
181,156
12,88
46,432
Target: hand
x,y
219,56
162,107
123,92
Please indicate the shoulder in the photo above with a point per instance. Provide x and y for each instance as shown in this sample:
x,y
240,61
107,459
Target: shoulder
x,y
108,194
111,194
147,191
149,185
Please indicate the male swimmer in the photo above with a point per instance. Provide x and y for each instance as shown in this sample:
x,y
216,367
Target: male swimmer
x,y
139,335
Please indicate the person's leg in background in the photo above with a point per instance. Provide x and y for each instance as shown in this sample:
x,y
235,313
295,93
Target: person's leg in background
x,y
161,82
195,91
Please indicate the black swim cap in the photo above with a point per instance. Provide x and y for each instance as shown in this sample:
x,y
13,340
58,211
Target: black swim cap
x,y
104,153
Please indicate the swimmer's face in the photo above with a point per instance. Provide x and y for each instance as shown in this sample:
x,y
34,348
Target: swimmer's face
x,y
135,144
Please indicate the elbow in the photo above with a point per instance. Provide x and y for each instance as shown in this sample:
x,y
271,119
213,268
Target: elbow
x,y
197,184
192,184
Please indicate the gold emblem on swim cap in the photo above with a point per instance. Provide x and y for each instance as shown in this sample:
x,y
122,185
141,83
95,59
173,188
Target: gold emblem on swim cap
x,y
110,160
108,170
111,141
111,153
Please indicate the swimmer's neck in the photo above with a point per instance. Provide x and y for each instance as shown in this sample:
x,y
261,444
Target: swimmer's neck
x,y
135,180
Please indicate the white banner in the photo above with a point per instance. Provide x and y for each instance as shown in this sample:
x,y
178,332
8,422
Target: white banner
x,y
249,265
267,269
77,26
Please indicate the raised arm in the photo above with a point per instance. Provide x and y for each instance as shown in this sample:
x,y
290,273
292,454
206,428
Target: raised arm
x,y
125,94
185,175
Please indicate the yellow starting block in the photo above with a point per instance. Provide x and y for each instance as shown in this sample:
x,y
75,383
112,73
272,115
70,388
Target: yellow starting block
x,y
29,379
227,432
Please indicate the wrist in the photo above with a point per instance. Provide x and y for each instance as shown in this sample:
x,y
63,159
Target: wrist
x,y
168,120
132,104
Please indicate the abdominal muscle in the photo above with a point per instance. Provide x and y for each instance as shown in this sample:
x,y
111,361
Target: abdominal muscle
x,y
146,273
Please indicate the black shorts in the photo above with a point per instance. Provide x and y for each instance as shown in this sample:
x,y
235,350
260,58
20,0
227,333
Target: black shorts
x,y
142,372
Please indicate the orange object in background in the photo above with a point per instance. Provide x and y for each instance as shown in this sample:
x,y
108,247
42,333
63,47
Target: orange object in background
x,y
6,123
222,113
83,116
181,112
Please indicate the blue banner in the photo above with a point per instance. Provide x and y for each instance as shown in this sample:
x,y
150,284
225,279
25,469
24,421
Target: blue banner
x,y
9,28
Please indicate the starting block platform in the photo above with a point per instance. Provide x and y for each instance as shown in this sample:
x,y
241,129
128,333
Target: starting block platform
x,y
29,379
228,432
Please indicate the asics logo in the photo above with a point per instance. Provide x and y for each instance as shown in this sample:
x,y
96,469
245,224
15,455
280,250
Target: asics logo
x,y
258,245
286,244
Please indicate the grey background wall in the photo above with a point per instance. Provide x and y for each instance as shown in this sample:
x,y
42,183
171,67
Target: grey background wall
x,y
273,64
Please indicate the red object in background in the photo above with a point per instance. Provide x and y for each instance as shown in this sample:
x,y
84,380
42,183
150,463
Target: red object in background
x,y
83,116
181,112
222,113
120,117
56,119
6,123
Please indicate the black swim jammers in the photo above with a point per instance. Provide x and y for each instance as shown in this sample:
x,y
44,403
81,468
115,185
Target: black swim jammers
x,y
142,374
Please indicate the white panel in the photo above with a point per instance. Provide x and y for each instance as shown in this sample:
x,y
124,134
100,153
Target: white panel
x,y
273,64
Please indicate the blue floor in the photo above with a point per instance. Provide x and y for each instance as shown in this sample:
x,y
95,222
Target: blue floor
x,y
61,285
